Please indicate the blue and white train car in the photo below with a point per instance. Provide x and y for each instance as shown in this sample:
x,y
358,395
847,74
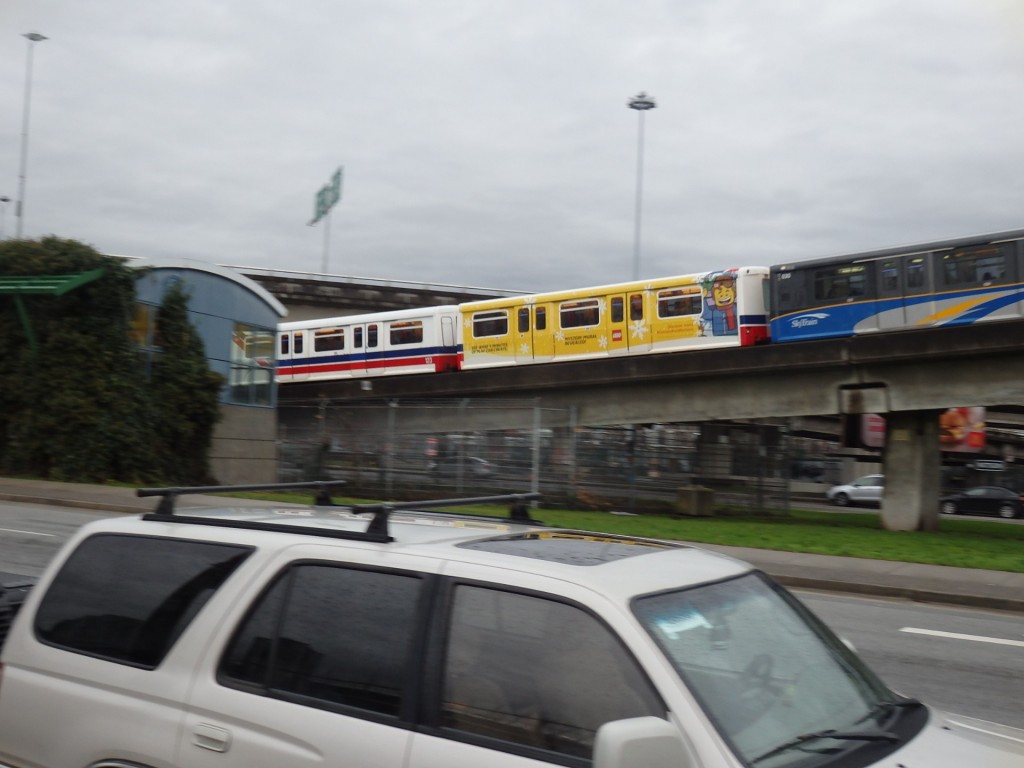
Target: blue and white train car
x,y
946,283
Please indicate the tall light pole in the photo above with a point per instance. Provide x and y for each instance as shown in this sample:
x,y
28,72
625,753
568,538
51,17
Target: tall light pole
x,y
19,210
641,103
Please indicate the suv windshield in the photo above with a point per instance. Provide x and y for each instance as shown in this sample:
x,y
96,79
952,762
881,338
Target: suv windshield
x,y
770,675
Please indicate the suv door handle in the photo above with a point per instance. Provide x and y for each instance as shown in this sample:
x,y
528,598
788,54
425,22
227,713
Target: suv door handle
x,y
211,737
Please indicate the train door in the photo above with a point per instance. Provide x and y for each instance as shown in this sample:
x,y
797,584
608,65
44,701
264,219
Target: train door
x,y
543,334
522,335
359,349
291,353
370,358
891,293
533,339
618,325
638,321
449,345
920,290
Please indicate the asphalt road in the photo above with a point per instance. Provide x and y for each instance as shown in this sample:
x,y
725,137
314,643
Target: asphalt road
x,y
962,660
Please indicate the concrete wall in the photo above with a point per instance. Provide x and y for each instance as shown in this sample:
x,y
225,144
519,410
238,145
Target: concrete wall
x,y
244,449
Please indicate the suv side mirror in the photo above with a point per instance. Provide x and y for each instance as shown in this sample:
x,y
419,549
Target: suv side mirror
x,y
647,742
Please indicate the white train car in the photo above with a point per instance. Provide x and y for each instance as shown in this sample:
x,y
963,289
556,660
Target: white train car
x,y
377,344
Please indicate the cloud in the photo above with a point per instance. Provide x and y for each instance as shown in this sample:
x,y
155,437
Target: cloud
x,y
490,144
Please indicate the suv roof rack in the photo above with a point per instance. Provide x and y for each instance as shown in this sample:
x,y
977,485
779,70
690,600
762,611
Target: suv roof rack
x,y
376,530
518,511
170,495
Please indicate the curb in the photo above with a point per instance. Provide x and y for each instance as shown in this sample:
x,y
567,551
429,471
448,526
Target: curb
x,y
75,503
905,593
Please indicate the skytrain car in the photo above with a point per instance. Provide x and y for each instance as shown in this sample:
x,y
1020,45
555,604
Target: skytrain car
x,y
377,344
953,282
672,314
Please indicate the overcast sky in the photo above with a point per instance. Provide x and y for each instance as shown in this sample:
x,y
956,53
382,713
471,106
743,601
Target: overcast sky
x,y
489,143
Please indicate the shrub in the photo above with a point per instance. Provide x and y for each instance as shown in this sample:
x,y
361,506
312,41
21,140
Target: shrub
x,y
76,405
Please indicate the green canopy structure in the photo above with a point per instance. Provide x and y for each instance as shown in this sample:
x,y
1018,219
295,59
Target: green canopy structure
x,y
46,285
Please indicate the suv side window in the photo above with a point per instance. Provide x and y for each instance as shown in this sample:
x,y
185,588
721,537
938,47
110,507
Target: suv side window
x,y
129,598
337,635
537,672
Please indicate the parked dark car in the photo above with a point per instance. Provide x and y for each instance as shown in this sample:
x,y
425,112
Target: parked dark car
x,y
983,500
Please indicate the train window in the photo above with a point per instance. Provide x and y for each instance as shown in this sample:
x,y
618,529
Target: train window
x,y
284,345
357,337
297,342
407,332
579,314
540,318
840,283
785,291
618,309
329,340
490,324
371,336
975,266
916,273
890,271
636,306
678,302
524,319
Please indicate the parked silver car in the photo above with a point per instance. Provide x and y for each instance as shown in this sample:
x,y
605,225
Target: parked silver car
x,y
863,490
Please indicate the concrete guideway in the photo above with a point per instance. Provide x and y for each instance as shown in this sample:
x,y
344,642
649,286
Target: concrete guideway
x,y
995,590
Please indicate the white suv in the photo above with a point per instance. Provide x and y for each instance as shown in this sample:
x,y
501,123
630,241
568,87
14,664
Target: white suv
x,y
293,636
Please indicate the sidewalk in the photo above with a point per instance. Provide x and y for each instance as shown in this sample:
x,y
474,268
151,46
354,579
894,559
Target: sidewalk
x,y
997,590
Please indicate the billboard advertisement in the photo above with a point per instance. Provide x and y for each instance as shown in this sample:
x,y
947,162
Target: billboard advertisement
x,y
961,430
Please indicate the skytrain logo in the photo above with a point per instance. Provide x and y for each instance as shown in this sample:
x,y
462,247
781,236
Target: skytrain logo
x,y
805,321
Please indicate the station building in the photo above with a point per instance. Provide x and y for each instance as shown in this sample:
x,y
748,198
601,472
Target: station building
x,y
236,319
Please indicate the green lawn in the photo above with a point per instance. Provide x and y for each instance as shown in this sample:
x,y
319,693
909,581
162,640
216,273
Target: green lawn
x,y
965,543
961,543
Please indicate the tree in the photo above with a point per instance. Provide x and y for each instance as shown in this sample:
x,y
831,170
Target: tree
x,y
185,393
77,406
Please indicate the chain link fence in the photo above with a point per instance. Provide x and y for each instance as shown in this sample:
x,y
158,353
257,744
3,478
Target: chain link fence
x,y
416,450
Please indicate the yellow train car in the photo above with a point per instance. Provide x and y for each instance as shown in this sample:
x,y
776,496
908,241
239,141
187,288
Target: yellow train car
x,y
671,314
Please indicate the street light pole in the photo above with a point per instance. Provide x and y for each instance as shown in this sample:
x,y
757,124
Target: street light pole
x,y
641,103
19,210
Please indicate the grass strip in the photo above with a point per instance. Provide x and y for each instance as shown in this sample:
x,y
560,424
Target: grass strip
x,y
959,543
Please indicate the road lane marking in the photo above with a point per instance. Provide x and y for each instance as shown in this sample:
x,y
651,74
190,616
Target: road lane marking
x,y
958,636
26,533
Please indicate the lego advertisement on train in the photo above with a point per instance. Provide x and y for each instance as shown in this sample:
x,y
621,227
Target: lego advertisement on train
x,y
961,430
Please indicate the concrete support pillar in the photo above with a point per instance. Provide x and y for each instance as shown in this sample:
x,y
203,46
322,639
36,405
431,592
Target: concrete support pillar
x,y
912,465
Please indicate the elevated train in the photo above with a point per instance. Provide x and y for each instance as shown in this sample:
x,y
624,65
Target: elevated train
x,y
952,282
